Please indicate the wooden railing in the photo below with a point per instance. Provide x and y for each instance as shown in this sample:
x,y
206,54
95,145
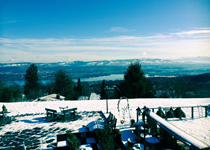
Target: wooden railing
x,y
199,107
171,129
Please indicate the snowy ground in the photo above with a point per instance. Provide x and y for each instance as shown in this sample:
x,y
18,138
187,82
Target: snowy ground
x,y
38,133
29,115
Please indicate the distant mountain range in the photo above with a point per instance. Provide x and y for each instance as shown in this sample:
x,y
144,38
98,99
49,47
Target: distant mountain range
x,y
87,69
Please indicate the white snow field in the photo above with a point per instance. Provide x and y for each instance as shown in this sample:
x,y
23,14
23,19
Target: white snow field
x,y
29,115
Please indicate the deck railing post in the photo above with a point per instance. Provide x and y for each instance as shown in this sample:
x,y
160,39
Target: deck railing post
x,y
138,112
144,120
107,109
206,107
137,116
192,112
166,115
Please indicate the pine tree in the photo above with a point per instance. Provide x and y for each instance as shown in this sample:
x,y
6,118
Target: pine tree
x,y
1,91
11,94
79,87
134,84
103,90
63,85
106,140
31,87
160,113
72,141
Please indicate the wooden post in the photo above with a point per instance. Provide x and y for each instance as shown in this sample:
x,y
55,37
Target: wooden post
x,y
206,113
138,112
192,112
165,114
153,109
143,118
3,117
137,116
107,109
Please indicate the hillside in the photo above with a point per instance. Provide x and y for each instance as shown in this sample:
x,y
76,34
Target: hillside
x,y
82,69
183,86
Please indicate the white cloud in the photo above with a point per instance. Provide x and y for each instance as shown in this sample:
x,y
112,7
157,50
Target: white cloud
x,y
197,32
171,45
144,54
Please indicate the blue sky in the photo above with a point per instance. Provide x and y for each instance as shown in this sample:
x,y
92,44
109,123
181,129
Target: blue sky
x,y
58,30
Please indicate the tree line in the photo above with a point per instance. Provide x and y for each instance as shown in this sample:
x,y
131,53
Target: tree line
x,y
134,85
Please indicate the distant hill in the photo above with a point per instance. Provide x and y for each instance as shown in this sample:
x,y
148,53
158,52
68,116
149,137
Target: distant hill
x,y
87,69
190,86
201,78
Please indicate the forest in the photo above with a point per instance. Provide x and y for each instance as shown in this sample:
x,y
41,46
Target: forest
x,y
190,86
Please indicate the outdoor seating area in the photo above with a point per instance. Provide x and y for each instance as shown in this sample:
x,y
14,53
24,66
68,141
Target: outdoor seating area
x,y
93,129
85,139
139,135
65,114
144,134
88,134
111,120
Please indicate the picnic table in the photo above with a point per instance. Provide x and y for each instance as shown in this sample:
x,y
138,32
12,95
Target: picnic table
x,y
66,114
152,142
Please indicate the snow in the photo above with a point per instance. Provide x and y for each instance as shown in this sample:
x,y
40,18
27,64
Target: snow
x,y
152,140
29,115
165,124
127,134
94,96
86,147
51,97
198,128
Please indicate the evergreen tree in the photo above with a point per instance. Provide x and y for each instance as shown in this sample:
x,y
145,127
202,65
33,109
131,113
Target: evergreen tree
x,y
103,90
170,113
11,94
79,87
63,85
78,91
106,140
134,84
7,95
73,141
1,90
31,87
160,113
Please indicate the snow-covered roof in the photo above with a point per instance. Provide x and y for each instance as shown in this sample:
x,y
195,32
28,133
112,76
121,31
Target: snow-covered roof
x,y
94,96
51,97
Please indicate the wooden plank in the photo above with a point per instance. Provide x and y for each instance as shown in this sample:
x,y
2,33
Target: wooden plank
x,y
177,106
50,110
69,110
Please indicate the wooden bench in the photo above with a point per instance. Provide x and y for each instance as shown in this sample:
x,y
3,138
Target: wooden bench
x,y
50,114
109,118
69,114
113,123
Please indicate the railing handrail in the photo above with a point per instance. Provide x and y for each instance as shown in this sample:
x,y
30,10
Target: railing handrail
x,y
179,134
179,106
